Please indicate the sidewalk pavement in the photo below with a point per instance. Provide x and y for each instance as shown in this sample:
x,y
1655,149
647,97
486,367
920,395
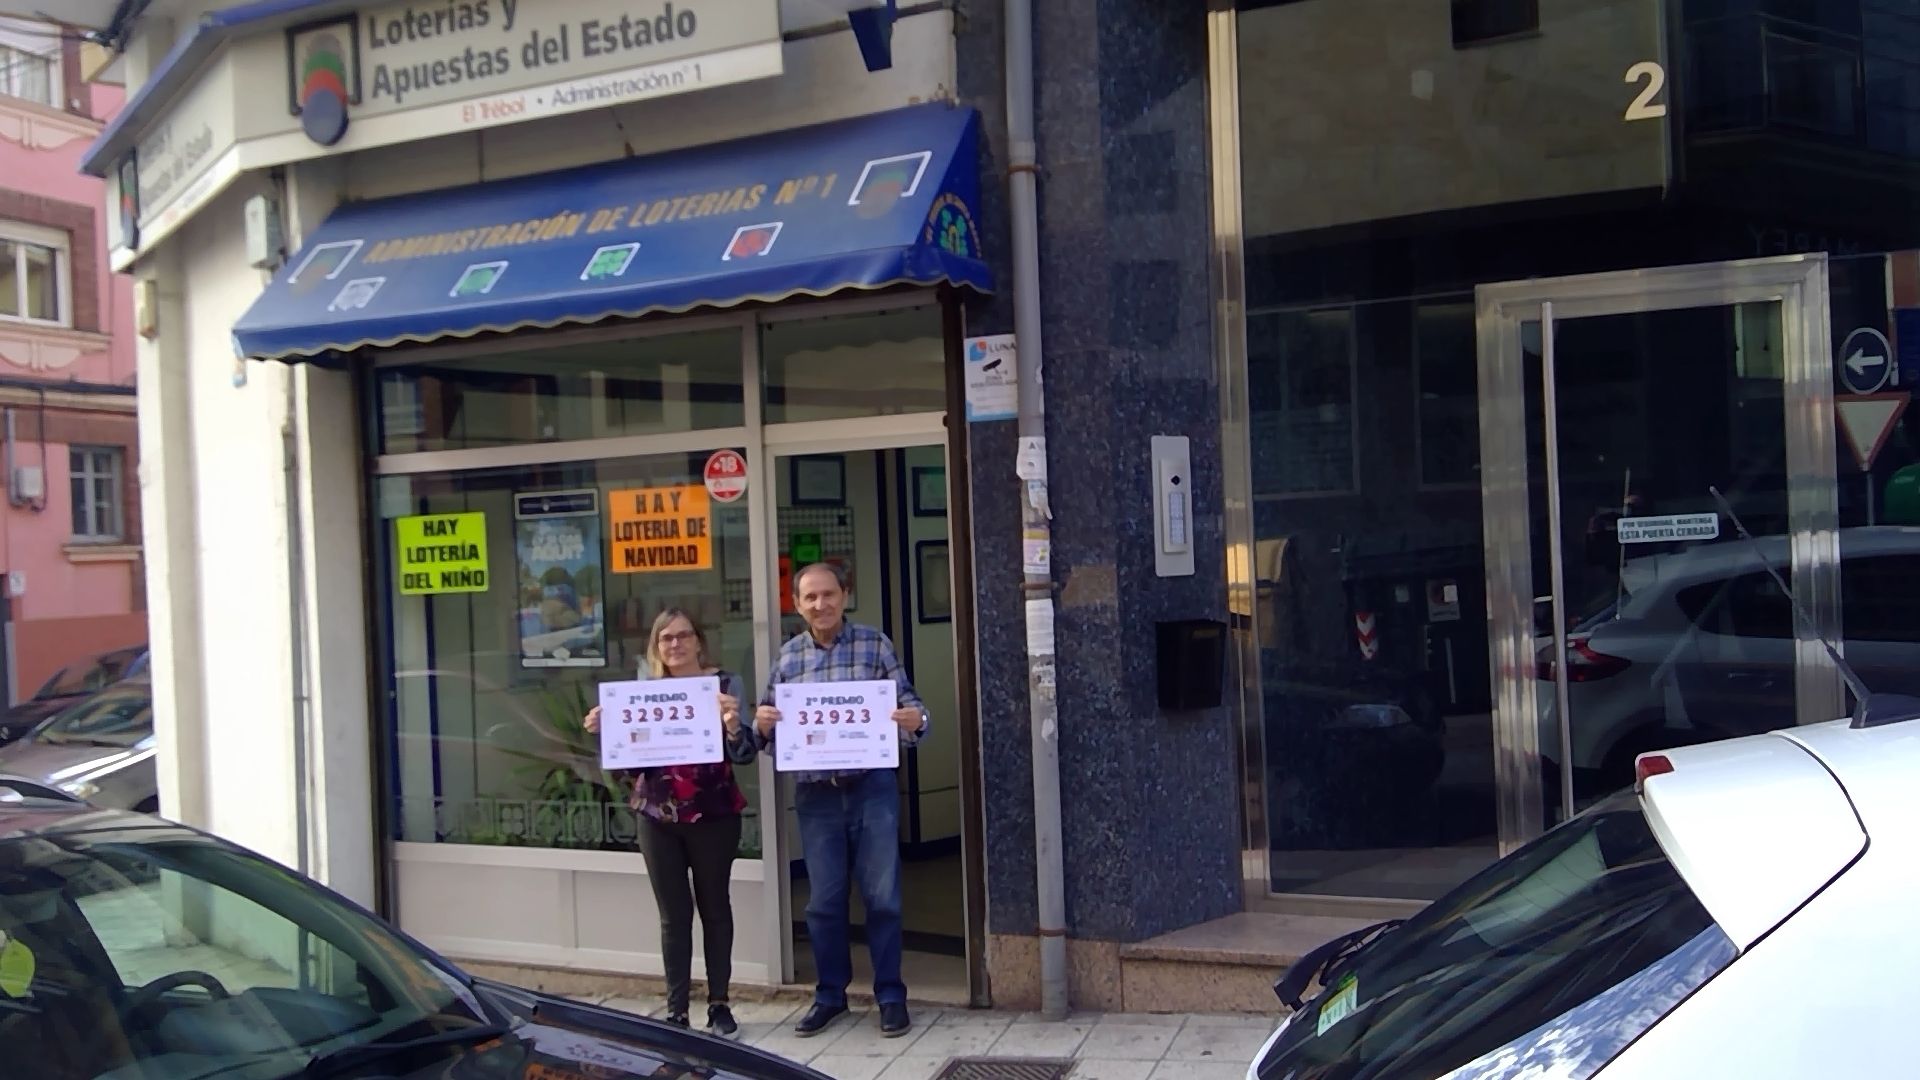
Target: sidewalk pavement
x,y
1106,1046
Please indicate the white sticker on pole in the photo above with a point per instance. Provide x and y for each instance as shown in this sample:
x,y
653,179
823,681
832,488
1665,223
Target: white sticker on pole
x,y
1031,464
993,378
1036,552
1670,528
1040,627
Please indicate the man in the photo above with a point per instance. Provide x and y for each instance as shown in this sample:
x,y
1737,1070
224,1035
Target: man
x,y
849,821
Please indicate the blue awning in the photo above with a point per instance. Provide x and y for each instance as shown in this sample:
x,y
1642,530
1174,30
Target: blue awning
x,y
868,203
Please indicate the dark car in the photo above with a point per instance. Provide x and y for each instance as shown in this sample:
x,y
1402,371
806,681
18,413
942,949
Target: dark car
x,y
70,684
99,749
132,948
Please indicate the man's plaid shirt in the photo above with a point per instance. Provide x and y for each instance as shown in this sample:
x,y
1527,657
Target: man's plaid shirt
x,y
858,654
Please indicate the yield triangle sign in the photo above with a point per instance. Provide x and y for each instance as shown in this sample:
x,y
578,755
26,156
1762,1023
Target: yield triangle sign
x,y
1866,420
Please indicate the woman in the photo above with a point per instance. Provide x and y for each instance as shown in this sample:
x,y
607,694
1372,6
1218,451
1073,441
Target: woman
x,y
690,826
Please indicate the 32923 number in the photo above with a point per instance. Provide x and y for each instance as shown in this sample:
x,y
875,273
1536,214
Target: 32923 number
x,y
658,713
829,717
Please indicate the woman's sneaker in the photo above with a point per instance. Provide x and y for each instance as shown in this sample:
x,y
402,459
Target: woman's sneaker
x,y
679,1019
720,1019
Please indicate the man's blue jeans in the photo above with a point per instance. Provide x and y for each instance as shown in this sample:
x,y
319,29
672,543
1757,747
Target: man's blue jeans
x,y
849,834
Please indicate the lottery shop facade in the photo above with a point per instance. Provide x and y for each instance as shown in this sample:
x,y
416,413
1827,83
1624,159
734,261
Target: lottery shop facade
x,y
450,393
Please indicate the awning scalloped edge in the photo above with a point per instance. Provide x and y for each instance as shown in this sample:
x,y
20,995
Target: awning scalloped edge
x,y
301,355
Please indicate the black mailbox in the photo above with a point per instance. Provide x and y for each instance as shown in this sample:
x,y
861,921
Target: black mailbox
x,y
1191,665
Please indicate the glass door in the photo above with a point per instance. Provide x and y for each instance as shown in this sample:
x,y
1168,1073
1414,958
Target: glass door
x,y
1627,611
877,507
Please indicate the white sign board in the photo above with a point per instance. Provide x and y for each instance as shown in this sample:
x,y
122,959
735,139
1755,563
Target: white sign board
x,y
1670,528
830,726
398,73
993,378
659,722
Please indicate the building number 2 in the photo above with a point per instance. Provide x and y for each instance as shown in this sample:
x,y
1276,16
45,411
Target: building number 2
x,y
1654,78
834,716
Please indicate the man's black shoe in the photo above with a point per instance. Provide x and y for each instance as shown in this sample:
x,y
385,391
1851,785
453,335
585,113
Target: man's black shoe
x,y
817,1019
720,1019
894,1021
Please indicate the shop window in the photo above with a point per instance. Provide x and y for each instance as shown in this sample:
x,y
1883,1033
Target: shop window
x,y
33,274
30,75
842,366
1301,401
584,390
1476,22
95,473
497,655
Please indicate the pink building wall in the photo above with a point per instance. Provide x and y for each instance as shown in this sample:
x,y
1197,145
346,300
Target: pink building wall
x,y
66,385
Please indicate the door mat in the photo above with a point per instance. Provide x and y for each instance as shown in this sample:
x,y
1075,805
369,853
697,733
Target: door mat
x,y
1005,1069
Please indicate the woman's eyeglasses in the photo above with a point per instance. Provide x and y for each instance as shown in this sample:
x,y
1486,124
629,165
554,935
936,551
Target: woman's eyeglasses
x,y
677,638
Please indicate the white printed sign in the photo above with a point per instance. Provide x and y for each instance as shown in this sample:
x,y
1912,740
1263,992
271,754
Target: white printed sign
x,y
829,726
1672,527
660,722
993,378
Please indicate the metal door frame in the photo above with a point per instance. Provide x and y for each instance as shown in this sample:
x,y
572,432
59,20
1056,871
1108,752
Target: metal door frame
x,y
1799,284
784,441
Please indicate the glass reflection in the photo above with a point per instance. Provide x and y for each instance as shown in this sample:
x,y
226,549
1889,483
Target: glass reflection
x,y
1674,631
489,687
1372,604
1394,159
843,366
584,390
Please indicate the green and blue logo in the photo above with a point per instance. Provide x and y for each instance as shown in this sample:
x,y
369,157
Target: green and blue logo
x,y
322,87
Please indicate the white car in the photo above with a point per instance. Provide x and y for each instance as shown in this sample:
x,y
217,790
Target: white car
x,y
1746,912
1700,647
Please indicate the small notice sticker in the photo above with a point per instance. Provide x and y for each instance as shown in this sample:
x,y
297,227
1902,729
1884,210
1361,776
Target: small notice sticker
x,y
1036,553
1661,530
1341,1005
16,967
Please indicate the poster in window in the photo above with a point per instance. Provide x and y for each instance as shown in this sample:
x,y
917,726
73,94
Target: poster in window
x,y
561,609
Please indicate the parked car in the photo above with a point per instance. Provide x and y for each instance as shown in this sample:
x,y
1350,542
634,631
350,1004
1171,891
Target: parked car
x,y
1741,912
33,789
69,685
100,749
1699,646
133,949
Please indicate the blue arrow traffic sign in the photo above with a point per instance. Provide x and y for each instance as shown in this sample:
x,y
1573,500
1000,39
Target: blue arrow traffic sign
x,y
1866,361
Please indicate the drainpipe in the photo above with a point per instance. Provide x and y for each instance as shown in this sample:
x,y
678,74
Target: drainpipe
x,y
1036,534
297,628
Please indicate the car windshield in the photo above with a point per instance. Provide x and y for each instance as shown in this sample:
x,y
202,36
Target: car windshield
x,y
97,673
1558,955
153,952
122,716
